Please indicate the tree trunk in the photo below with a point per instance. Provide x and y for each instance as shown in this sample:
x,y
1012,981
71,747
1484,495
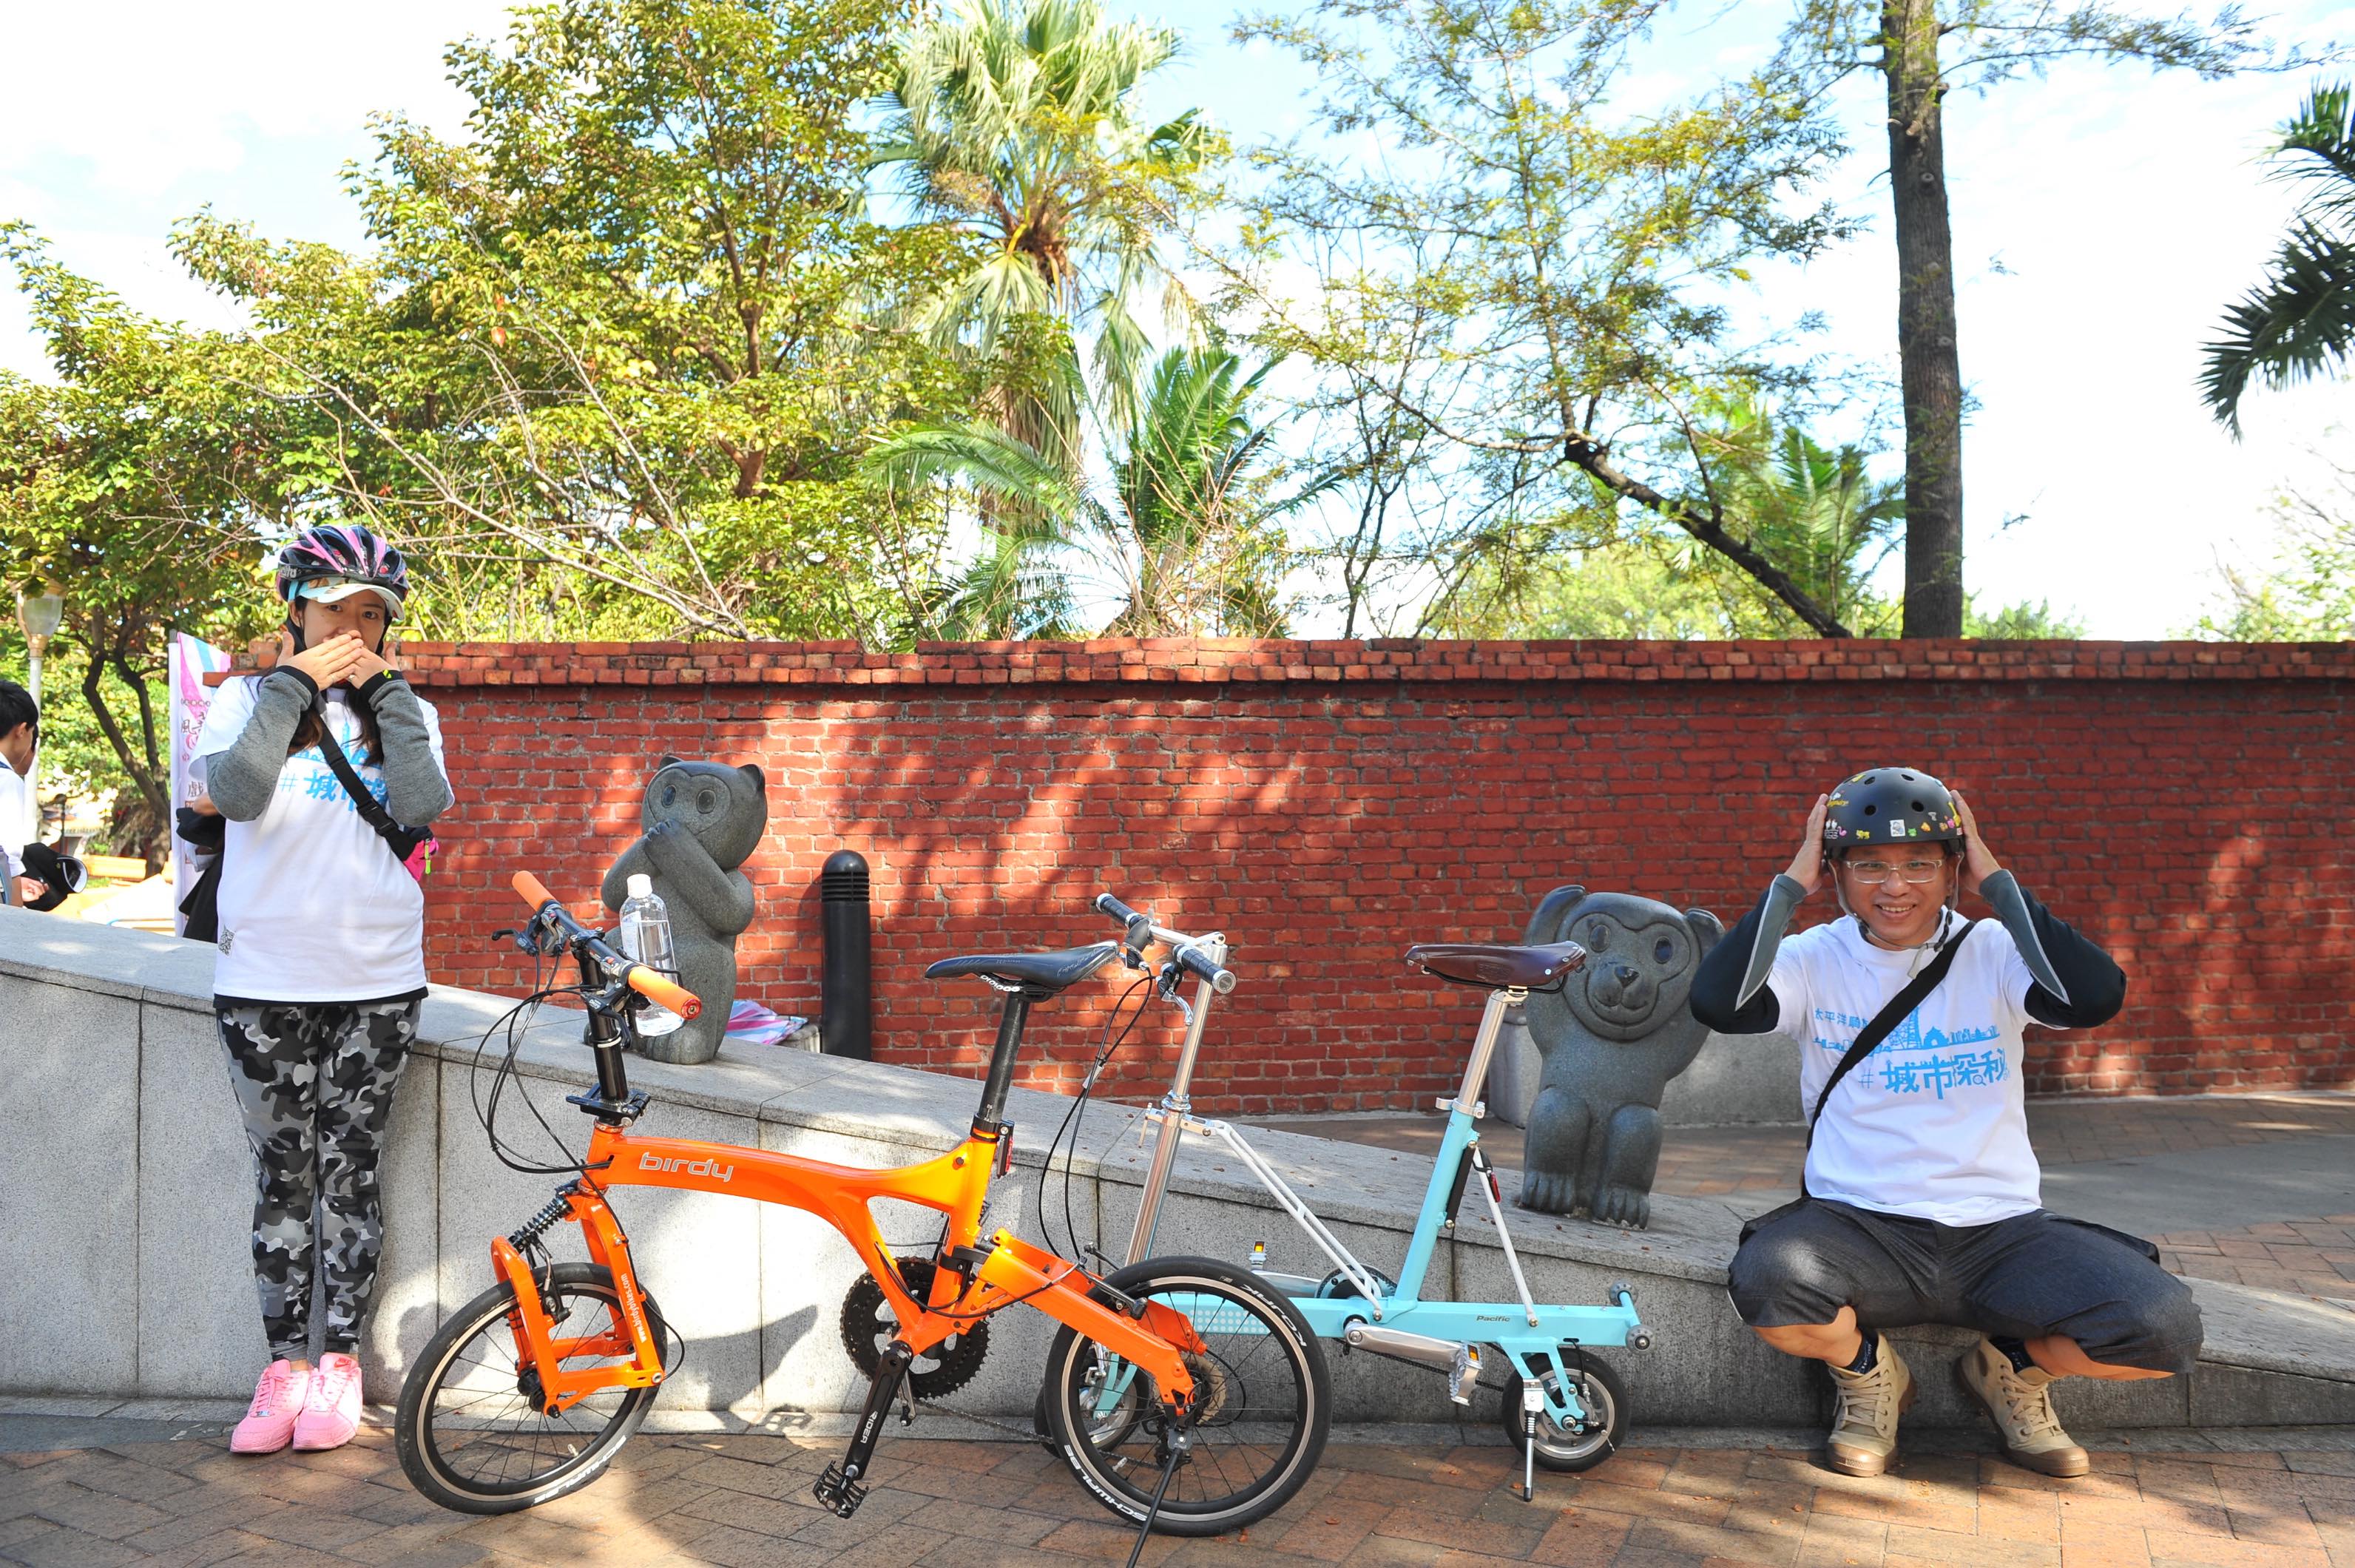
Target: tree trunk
x,y
145,774
1932,374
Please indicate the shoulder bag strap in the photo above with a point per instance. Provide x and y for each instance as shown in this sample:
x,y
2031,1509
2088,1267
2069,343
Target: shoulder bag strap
x,y
400,839
1869,1037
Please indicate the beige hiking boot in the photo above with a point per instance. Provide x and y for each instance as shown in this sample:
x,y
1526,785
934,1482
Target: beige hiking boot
x,y
2020,1405
1864,1426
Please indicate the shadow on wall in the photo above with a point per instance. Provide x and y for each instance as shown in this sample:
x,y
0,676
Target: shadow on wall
x,y
1327,834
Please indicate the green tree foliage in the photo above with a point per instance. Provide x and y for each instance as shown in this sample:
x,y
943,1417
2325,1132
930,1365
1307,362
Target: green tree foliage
x,y
1014,122
1519,300
1186,536
2307,593
135,483
2299,321
617,353
1816,509
1926,50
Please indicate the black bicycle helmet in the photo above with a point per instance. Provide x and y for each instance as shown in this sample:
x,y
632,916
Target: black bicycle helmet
x,y
1889,806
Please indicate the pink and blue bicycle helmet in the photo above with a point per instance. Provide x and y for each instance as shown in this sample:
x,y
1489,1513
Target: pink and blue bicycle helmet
x,y
335,561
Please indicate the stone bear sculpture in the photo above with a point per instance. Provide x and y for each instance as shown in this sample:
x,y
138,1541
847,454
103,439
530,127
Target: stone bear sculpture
x,y
702,820
1611,1039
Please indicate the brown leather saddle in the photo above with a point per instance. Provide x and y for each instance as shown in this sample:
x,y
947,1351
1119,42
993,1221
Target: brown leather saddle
x,y
1496,966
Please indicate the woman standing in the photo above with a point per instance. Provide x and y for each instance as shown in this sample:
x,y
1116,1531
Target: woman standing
x,y
322,961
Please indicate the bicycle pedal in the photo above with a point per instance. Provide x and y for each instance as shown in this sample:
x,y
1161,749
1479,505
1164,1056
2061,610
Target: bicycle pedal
x,y
838,1492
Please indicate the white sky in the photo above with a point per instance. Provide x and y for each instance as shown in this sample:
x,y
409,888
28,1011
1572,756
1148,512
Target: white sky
x,y
2103,218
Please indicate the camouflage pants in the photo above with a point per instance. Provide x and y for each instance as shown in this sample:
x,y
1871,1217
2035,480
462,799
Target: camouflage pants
x,y
315,1081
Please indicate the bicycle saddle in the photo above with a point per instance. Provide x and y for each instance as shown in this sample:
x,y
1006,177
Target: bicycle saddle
x,y
1496,966
1044,972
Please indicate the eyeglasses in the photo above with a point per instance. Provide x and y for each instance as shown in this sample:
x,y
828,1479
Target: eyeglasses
x,y
1872,873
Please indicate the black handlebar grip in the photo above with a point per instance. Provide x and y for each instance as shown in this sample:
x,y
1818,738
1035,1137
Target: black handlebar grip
x,y
1107,904
1198,964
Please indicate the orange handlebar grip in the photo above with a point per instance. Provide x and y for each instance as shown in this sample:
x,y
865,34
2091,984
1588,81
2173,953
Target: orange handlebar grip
x,y
654,988
529,887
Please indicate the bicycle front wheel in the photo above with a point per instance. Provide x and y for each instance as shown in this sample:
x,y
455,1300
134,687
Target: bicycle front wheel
x,y
1264,1403
470,1430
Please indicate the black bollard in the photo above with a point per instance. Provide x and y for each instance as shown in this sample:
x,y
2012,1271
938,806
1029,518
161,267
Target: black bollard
x,y
846,1002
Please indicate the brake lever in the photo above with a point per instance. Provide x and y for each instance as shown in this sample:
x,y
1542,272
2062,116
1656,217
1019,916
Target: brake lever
x,y
1172,972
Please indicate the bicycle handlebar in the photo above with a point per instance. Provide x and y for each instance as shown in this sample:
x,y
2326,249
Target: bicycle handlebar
x,y
1186,950
651,984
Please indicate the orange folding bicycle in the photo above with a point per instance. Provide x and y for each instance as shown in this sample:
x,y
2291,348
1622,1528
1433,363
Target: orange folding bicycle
x,y
1220,1404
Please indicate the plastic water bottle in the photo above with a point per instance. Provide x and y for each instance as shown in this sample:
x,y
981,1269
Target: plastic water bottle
x,y
644,938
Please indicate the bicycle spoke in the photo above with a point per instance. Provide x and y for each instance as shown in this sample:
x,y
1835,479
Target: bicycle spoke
x,y
489,1431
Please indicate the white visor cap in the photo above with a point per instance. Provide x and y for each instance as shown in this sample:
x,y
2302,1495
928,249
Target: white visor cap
x,y
335,590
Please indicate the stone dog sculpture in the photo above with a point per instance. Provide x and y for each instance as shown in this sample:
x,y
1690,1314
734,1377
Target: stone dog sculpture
x,y
702,821
1611,1039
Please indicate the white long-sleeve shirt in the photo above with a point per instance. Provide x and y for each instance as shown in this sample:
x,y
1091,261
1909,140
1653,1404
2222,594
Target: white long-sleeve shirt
x,y
16,826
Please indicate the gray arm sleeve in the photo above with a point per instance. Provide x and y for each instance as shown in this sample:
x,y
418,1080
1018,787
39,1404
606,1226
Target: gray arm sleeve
x,y
1783,900
1728,991
243,779
415,791
2002,892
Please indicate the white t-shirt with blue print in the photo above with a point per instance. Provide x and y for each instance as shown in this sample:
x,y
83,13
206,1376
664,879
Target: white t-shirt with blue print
x,y
1932,1125
313,908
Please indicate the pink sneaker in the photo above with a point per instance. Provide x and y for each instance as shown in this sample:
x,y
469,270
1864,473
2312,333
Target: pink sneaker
x,y
269,1422
331,1413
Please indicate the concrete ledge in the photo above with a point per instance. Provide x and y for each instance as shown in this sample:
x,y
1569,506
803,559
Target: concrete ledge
x,y
127,1157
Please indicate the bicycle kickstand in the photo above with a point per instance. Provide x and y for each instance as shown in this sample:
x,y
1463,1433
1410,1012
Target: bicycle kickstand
x,y
838,1489
1532,1401
1179,1444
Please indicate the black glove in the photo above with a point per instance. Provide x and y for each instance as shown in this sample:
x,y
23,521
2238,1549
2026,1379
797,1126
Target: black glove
x,y
62,874
205,831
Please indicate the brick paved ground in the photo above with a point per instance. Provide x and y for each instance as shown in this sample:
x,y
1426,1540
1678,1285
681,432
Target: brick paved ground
x,y
2313,1257
1706,1162
744,1500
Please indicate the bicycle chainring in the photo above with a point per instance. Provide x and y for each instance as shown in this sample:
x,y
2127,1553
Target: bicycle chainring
x,y
869,1325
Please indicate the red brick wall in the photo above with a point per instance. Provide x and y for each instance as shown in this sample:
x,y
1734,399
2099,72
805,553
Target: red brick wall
x,y
1327,803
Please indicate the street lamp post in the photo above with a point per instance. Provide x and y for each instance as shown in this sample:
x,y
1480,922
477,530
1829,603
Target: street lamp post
x,y
38,614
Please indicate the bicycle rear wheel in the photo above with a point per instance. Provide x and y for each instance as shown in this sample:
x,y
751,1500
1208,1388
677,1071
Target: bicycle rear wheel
x,y
1264,1403
470,1432
1599,1394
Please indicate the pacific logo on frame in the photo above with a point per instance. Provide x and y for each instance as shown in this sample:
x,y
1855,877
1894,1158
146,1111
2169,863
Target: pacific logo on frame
x,y
711,1168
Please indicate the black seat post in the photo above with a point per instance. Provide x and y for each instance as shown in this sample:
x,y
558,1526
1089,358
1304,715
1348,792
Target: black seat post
x,y
1010,1021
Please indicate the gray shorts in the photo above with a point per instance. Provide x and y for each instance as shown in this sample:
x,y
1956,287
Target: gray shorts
x,y
2024,1277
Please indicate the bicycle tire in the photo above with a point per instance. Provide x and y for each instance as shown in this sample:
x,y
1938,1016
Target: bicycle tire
x,y
1599,1392
429,1447
1272,1438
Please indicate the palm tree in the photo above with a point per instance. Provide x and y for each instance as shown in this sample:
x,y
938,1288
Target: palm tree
x,y
1184,535
2301,320
1814,510
1015,121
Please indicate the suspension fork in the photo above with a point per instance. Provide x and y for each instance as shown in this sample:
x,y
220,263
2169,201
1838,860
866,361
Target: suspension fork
x,y
535,1329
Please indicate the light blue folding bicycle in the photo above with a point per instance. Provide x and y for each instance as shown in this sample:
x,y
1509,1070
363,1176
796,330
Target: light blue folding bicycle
x,y
1565,1409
